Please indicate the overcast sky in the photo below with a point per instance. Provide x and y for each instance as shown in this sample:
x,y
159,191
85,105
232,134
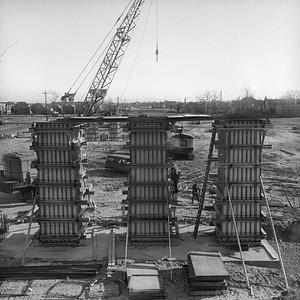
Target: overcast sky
x,y
204,45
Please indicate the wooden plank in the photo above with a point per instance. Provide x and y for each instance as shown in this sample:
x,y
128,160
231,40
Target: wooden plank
x,y
203,293
144,284
207,285
141,269
145,296
270,250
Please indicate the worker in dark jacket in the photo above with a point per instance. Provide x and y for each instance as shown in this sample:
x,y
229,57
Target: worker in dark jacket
x,y
195,190
27,178
175,175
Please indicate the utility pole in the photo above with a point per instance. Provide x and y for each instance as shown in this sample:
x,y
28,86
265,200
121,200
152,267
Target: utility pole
x,y
118,106
46,93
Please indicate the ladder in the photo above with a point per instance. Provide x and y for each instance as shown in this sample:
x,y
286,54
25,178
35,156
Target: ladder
x,y
205,180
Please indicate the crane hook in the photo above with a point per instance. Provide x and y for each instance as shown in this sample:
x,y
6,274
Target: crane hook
x,y
156,52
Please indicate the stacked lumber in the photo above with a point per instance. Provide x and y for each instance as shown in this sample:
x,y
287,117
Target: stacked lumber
x,y
144,282
111,289
205,273
50,272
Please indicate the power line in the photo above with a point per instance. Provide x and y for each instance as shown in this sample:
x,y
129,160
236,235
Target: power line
x,y
156,29
46,105
137,53
92,67
105,38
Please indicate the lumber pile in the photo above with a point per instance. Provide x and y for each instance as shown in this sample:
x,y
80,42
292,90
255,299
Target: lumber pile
x,y
111,289
144,282
50,272
205,273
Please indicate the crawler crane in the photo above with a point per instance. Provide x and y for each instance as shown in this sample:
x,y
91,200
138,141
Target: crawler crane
x,y
110,63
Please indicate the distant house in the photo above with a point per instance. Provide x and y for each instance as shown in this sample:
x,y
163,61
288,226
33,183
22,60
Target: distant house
x,y
283,107
38,108
194,108
287,110
5,108
247,105
170,104
2,108
21,108
109,108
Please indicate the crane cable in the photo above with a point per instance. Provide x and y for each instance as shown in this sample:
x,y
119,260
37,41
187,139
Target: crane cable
x,y
137,52
96,51
156,24
92,67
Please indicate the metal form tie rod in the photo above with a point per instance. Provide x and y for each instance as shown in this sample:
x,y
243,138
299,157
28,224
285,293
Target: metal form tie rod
x,y
29,227
126,244
170,245
274,232
239,243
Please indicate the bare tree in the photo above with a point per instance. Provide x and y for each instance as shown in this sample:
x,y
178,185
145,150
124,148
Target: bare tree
x,y
246,92
291,95
54,95
208,96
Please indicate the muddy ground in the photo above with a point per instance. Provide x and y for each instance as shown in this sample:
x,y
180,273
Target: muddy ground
x,y
281,178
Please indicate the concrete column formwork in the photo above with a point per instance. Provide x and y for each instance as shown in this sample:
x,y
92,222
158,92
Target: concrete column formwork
x,y
239,145
62,190
148,192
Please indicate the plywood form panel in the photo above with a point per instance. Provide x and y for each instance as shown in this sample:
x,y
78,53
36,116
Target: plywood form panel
x,y
148,174
148,230
150,193
241,210
59,211
148,210
247,229
148,156
63,175
55,229
48,193
245,192
59,156
56,133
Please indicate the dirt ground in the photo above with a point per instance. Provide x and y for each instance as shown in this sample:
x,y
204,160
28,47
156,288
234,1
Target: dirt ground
x,y
281,179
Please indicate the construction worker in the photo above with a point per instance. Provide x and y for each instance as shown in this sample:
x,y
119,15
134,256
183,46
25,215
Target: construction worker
x,y
195,194
175,175
27,178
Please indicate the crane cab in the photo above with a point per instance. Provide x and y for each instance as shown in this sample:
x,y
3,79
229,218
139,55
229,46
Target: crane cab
x,y
181,146
118,162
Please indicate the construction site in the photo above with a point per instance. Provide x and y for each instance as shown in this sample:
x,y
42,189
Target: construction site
x,y
147,205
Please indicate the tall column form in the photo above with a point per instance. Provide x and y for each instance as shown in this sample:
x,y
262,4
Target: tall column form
x,y
62,190
114,131
240,144
148,194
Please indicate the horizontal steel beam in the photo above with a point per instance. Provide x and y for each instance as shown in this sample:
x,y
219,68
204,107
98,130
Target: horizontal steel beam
x,y
172,119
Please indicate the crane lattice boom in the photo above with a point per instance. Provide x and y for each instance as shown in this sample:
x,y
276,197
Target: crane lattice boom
x,y
111,61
